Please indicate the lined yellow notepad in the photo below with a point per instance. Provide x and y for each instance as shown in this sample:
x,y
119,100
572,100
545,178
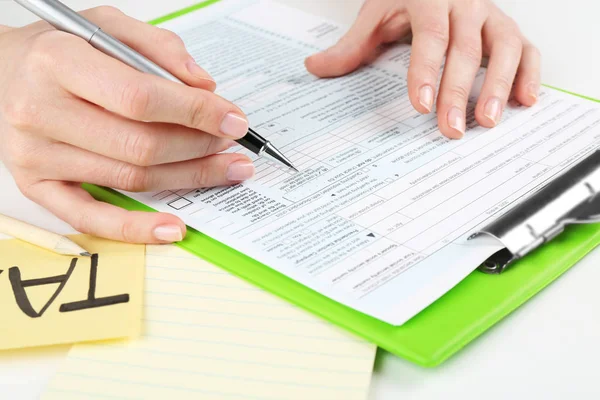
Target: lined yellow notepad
x,y
210,335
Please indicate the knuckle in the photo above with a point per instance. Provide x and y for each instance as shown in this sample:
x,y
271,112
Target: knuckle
x,y
45,50
427,69
22,113
82,222
21,154
510,24
477,7
200,177
131,178
135,99
25,187
460,93
141,148
503,84
437,31
210,146
470,48
513,41
197,112
23,159
128,231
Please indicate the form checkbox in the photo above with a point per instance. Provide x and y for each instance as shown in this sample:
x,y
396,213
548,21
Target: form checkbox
x,y
179,203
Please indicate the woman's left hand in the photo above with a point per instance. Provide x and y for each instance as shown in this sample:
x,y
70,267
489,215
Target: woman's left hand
x,y
464,31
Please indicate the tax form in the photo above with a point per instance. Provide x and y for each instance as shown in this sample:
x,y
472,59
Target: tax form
x,y
379,216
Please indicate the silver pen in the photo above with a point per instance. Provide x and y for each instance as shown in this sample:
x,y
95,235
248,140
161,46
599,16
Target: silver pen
x,y
64,19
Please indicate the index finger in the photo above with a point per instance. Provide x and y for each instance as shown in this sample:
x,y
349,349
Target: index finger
x,y
163,47
102,80
430,25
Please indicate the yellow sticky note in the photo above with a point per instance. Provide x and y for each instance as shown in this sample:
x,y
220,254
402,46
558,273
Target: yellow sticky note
x,y
47,298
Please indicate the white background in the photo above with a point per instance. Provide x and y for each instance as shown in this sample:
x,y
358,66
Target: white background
x,y
548,349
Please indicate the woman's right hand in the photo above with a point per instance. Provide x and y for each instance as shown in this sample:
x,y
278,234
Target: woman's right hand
x,y
70,114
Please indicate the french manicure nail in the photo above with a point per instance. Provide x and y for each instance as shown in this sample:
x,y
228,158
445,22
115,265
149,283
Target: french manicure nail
x,y
533,89
240,171
493,110
426,97
168,233
234,126
456,120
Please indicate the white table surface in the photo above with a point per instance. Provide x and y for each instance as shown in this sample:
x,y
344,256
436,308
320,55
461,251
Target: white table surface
x,y
548,349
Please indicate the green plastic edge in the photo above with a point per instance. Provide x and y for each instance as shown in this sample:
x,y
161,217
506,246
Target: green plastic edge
x,y
181,12
572,93
442,329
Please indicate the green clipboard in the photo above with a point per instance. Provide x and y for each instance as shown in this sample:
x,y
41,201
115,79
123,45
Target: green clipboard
x,y
439,331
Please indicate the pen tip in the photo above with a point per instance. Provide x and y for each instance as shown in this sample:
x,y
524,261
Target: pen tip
x,y
274,154
85,254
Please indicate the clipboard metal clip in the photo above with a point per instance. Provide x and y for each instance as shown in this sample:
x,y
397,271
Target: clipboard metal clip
x,y
571,198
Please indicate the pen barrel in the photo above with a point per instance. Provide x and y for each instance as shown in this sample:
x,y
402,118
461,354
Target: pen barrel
x,y
61,17
116,49
253,142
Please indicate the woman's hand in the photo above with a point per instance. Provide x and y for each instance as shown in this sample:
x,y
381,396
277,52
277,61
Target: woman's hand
x,y
464,30
70,114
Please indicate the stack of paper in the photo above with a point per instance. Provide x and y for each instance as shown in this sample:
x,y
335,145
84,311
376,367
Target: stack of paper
x,y
379,216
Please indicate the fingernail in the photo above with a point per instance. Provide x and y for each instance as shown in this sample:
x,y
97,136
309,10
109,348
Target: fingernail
x,y
533,89
168,233
240,171
426,97
232,143
493,110
456,120
234,126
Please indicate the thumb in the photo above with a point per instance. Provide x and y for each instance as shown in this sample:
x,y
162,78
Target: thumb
x,y
352,50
